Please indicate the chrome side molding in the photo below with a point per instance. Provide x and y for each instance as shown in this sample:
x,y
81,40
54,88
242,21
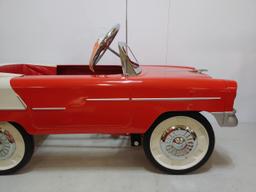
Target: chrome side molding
x,y
177,99
23,103
226,119
107,99
49,108
155,99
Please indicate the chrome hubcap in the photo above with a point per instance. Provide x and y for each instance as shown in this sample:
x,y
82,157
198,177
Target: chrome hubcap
x,y
7,144
178,141
12,146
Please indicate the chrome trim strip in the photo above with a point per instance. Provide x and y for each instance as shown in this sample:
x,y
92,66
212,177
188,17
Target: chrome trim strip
x,y
155,99
23,103
49,108
176,99
108,99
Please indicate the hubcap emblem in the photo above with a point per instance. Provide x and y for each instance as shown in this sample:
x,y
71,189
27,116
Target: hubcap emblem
x,y
178,141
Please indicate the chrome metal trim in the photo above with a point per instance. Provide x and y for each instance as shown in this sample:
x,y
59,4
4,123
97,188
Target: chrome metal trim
x,y
102,45
176,99
49,108
178,141
22,102
155,99
202,70
108,99
226,118
113,51
129,67
199,70
7,144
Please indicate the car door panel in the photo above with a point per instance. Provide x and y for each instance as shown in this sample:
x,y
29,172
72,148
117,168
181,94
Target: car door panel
x,y
89,104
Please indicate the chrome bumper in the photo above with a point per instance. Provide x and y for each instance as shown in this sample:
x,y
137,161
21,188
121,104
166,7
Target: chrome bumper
x,y
226,119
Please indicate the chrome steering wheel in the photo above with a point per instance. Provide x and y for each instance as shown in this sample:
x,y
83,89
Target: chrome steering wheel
x,y
101,46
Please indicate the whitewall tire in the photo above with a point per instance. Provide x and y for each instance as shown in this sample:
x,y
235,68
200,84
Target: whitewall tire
x,y
16,147
178,143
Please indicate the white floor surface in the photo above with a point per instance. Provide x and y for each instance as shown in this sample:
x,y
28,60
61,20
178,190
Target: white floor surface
x,y
100,163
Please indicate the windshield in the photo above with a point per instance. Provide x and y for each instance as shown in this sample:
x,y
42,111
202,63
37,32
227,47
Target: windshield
x,y
130,67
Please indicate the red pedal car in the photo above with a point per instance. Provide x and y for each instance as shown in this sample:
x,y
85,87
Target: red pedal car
x,y
158,105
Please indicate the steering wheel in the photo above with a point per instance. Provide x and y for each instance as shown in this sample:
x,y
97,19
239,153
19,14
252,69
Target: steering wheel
x,y
101,46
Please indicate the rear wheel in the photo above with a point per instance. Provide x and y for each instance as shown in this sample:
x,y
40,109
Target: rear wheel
x,y
16,148
179,143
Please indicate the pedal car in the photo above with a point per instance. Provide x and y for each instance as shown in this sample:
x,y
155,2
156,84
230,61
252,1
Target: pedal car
x,y
157,105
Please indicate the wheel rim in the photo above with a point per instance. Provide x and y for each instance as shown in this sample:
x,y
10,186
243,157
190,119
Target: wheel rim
x,y
12,146
179,142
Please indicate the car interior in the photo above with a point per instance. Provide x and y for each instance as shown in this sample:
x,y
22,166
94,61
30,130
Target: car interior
x,y
33,69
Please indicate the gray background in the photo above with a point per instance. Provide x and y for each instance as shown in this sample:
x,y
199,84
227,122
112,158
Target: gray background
x,y
214,34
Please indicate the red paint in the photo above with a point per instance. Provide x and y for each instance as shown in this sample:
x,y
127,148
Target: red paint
x,y
28,69
114,117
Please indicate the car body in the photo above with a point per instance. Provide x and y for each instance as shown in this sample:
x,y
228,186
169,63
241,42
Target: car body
x,y
110,99
109,103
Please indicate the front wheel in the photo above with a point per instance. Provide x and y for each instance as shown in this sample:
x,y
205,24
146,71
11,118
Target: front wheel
x,y
179,143
16,148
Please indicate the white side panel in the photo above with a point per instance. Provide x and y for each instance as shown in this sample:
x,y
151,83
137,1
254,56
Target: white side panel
x,y
9,100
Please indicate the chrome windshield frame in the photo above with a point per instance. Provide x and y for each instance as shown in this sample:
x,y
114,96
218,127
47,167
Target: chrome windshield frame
x,y
129,67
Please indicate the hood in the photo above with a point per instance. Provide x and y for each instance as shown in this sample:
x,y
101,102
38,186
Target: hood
x,y
172,72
